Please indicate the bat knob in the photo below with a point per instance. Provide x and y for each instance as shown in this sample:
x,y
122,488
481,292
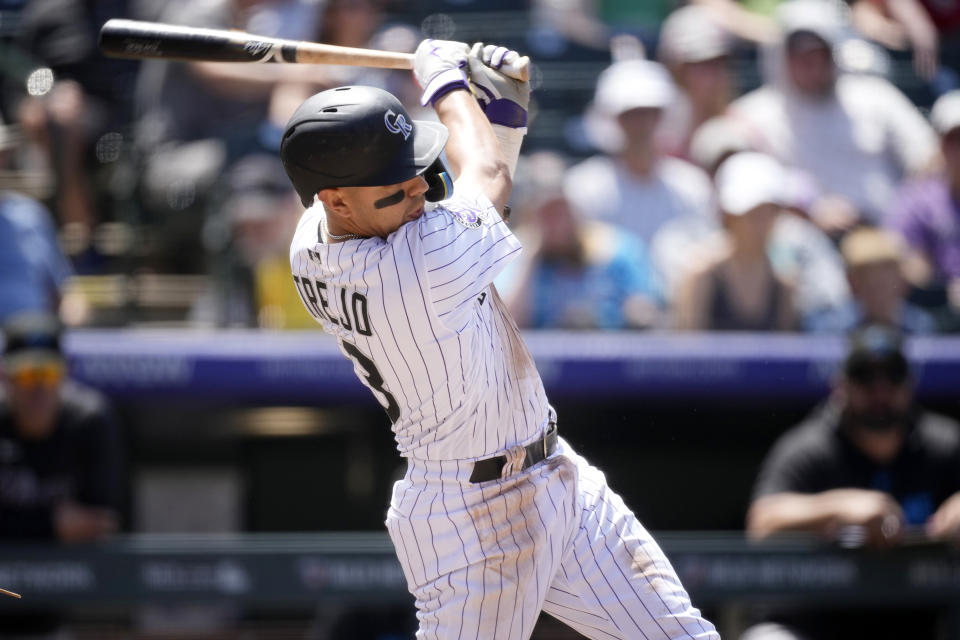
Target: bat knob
x,y
518,69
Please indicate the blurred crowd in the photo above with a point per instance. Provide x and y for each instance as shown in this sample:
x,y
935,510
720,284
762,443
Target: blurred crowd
x,y
751,165
760,165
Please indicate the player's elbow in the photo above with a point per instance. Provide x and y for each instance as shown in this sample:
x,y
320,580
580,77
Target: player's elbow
x,y
498,173
493,178
502,187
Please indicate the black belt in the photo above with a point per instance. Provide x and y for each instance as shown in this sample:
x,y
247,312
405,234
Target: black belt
x,y
492,468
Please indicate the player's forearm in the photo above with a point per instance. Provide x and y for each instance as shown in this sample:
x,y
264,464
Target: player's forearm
x,y
473,150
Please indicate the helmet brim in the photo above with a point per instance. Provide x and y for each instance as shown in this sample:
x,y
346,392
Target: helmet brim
x,y
429,138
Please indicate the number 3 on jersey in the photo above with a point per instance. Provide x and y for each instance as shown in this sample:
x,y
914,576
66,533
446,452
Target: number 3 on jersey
x,y
374,380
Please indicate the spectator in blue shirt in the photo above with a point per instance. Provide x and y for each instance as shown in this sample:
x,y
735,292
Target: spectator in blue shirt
x,y
33,269
576,273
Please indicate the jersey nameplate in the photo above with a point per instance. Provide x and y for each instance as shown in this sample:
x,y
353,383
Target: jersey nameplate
x,y
335,304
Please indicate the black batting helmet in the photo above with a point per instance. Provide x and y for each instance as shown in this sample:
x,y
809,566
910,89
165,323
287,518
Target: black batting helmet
x,y
356,136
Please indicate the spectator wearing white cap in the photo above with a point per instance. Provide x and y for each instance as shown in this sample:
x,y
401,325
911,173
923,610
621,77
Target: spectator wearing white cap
x,y
696,50
678,244
800,252
927,215
737,289
632,184
856,134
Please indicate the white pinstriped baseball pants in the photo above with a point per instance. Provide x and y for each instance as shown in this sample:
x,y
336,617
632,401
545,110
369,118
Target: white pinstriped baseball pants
x,y
482,560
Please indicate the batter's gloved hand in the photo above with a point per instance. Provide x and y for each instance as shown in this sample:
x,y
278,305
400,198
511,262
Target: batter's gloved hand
x,y
440,66
503,99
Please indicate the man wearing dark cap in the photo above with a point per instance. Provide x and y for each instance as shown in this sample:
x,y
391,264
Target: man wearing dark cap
x,y
60,453
868,467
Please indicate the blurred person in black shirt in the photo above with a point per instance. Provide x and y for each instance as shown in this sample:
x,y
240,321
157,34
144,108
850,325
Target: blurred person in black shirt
x,y
61,459
868,468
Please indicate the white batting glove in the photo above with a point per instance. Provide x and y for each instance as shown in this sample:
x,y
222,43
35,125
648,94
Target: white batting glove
x,y
503,99
439,67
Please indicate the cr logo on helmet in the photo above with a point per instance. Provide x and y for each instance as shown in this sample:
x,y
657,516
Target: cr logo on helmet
x,y
397,123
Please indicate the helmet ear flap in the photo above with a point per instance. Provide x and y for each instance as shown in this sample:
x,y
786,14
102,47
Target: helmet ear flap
x,y
439,182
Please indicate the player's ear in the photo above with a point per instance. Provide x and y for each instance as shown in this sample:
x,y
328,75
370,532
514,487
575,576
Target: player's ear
x,y
333,200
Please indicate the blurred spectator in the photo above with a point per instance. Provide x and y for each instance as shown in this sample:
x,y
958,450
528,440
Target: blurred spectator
x,y
61,449
677,246
927,213
249,241
632,185
901,24
736,288
61,460
751,20
597,25
349,22
344,23
867,467
874,263
674,247
855,134
718,138
799,252
74,107
945,17
696,50
802,254
576,273
33,269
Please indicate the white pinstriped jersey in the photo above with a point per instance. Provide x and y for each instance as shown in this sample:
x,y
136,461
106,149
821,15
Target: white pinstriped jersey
x,y
426,331
428,334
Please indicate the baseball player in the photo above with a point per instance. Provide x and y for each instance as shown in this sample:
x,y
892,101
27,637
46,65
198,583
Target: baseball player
x,y
497,518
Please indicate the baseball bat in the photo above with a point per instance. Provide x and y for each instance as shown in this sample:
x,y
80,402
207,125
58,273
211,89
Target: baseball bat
x,y
137,39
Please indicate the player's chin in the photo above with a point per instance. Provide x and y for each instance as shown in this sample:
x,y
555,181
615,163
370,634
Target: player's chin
x,y
416,213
